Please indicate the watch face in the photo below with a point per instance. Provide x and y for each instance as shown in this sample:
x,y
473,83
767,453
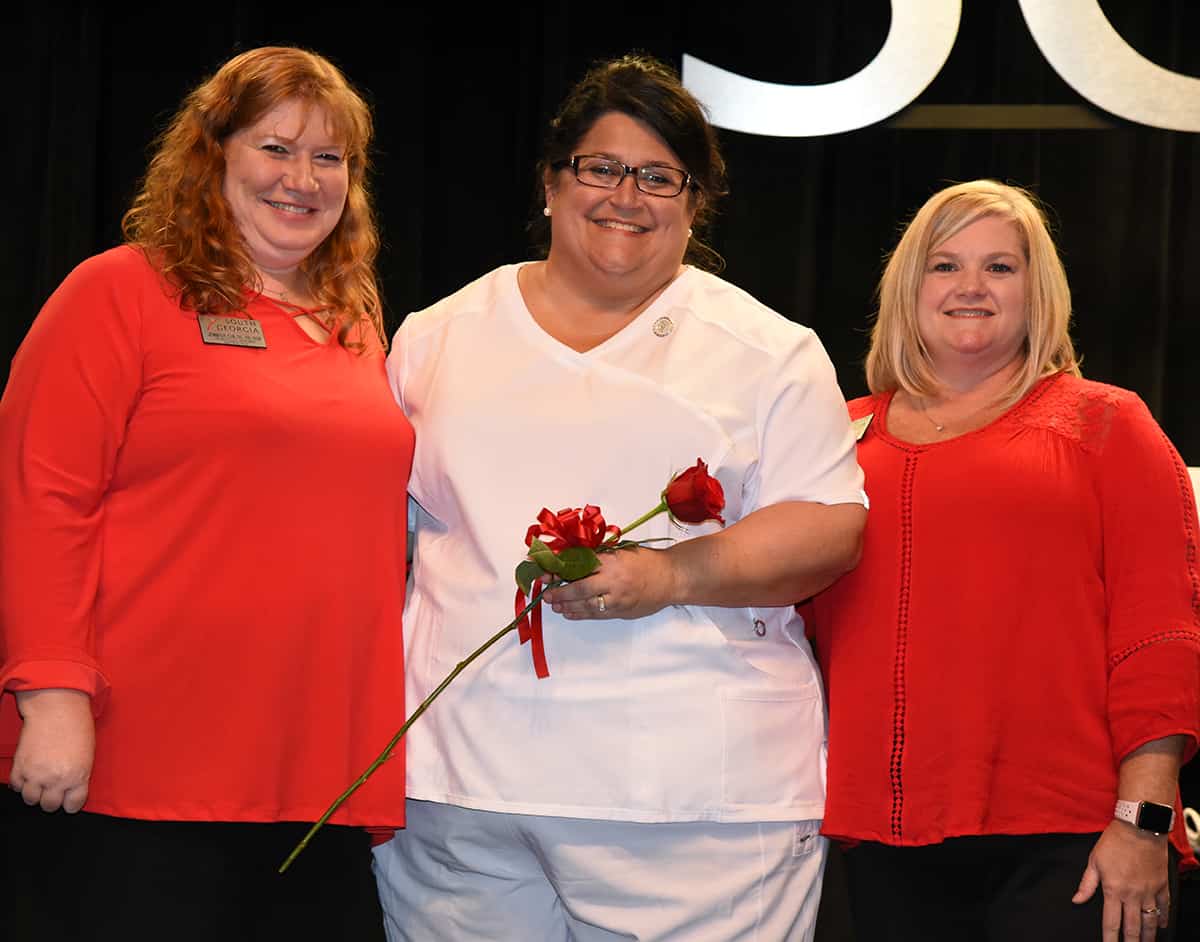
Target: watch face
x,y
1152,817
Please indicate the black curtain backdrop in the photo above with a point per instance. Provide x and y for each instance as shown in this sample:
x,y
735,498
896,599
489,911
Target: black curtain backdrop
x,y
461,97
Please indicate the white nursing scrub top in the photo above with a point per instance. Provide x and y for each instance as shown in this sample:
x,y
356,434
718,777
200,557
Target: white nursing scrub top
x,y
693,713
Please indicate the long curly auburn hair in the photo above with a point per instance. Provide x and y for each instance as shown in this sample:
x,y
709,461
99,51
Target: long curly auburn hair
x,y
182,222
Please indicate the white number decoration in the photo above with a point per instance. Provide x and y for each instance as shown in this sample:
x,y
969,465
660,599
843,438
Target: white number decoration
x,y
1094,59
1074,35
916,48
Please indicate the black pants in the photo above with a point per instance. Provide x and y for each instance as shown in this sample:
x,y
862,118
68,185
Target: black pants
x,y
979,889
92,878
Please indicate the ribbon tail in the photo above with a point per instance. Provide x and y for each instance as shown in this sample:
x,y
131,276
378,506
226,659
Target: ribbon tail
x,y
529,628
524,632
538,648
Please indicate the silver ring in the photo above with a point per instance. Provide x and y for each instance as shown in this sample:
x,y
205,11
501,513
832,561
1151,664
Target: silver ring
x,y
600,603
1151,912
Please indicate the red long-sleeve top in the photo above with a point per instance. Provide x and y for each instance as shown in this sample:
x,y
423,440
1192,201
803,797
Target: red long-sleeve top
x,y
1025,614
210,541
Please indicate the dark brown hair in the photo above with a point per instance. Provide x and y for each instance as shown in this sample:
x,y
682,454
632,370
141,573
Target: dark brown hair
x,y
649,91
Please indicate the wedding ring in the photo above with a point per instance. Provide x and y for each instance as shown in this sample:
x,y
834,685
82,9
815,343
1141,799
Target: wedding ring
x,y
600,603
1153,911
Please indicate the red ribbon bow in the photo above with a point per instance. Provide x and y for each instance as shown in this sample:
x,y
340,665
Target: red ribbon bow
x,y
569,527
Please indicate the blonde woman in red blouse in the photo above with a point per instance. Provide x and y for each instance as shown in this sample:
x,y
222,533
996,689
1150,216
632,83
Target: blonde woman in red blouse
x,y
1012,668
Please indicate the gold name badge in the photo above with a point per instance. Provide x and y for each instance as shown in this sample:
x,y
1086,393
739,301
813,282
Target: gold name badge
x,y
232,331
859,426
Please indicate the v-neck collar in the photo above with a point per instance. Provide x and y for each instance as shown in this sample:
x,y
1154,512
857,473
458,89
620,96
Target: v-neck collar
x,y
638,329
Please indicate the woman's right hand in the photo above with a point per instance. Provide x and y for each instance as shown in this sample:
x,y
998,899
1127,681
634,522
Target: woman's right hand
x,y
53,761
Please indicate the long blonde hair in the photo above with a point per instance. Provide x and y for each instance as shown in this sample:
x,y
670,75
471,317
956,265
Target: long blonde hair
x,y
181,219
898,358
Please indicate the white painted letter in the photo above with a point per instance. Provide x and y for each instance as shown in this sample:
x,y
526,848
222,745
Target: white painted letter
x,y
916,48
1094,59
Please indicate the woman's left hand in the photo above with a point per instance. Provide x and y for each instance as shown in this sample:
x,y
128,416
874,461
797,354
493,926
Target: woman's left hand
x,y
1130,867
628,583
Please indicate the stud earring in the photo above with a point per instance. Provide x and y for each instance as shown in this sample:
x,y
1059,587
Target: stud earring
x,y
545,210
689,233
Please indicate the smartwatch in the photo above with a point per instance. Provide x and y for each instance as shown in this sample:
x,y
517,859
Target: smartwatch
x,y
1146,815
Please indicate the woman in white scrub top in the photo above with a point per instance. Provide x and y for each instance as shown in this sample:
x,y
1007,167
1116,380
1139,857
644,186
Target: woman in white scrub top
x,y
666,781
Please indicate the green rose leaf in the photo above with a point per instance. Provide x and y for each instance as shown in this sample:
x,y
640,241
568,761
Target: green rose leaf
x,y
541,554
527,573
577,562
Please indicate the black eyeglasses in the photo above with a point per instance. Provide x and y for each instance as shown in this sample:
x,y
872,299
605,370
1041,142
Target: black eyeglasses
x,y
606,173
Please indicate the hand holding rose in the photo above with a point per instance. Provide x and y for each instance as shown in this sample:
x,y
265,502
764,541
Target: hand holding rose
x,y
628,584
640,581
634,583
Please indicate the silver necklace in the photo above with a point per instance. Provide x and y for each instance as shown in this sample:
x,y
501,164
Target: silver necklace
x,y
940,427
937,426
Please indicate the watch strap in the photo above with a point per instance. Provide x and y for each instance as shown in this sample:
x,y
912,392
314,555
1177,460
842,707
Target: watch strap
x,y
1146,815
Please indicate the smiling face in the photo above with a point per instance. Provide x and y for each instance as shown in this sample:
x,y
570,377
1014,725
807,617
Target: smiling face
x,y
286,180
971,309
601,234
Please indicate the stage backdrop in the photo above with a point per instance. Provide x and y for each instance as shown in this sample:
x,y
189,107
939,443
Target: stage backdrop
x,y
461,98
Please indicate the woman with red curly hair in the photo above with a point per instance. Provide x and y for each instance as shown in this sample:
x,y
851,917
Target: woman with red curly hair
x,y
202,539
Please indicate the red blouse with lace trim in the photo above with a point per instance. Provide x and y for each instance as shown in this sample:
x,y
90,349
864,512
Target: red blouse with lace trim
x,y
1026,613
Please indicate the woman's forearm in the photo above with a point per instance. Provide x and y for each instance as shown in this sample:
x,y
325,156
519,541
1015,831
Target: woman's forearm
x,y
778,555
1151,772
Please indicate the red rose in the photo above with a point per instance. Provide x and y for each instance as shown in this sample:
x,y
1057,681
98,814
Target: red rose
x,y
694,496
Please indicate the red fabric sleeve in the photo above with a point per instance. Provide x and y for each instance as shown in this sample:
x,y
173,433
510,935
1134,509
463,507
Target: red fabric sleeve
x,y
380,835
1151,582
74,382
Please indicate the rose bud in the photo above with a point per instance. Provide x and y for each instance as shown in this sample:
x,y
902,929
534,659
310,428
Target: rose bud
x,y
694,496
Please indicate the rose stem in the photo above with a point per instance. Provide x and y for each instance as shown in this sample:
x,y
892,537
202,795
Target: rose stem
x,y
386,754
